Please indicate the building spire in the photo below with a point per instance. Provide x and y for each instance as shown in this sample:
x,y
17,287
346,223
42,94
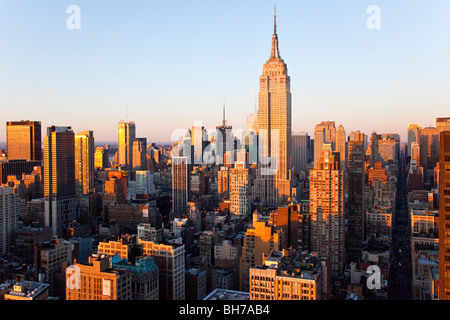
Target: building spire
x,y
275,52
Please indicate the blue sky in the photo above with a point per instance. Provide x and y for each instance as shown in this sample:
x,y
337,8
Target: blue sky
x,y
170,63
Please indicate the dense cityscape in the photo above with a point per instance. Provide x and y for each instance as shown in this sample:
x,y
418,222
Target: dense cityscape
x,y
262,213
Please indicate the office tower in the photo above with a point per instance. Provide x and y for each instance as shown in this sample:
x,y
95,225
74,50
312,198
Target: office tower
x,y
327,209
59,178
415,152
127,135
101,158
324,133
443,124
287,218
144,276
444,209
372,150
301,148
139,153
413,135
23,140
224,139
180,185
97,281
282,277
9,217
50,257
145,180
84,161
239,190
275,122
260,238
199,141
223,185
429,147
387,150
355,203
341,144
170,259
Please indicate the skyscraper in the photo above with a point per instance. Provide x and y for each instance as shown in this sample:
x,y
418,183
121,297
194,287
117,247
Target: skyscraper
x,y
23,140
139,151
355,203
324,132
239,185
59,178
84,161
274,125
180,185
326,200
301,149
413,135
9,217
341,144
127,135
444,216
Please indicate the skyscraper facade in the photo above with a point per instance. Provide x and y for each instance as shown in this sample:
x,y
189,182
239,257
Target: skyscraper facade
x,y
324,132
355,203
274,125
301,148
180,185
84,161
59,178
9,217
444,216
23,140
127,135
327,209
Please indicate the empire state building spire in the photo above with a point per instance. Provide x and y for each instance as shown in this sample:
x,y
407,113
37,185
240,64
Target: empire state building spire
x,y
275,52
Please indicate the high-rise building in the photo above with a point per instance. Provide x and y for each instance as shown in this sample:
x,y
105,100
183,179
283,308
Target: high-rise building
x,y
327,210
224,139
84,161
341,145
287,218
59,178
274,126
443,124
139,153
9,217
180,185
170,259
301,151
101,158
239,190
223,183
324,133
355,203
444,216
413,135
127,135
23,140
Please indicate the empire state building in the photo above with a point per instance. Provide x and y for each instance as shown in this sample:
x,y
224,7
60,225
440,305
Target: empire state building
x,y
275,122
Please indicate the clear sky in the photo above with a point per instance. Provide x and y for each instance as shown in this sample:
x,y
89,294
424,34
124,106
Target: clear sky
x,y
169,63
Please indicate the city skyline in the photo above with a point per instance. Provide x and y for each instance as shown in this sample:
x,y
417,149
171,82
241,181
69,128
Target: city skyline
x,y
393,73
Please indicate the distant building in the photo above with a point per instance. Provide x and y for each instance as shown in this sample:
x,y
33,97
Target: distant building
x,y
9,217
23,140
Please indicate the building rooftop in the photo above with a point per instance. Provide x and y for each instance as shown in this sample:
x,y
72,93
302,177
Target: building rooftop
x,y
28,289
223,294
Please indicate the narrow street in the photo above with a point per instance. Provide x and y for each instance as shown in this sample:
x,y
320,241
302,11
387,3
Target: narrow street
x,y
399,283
